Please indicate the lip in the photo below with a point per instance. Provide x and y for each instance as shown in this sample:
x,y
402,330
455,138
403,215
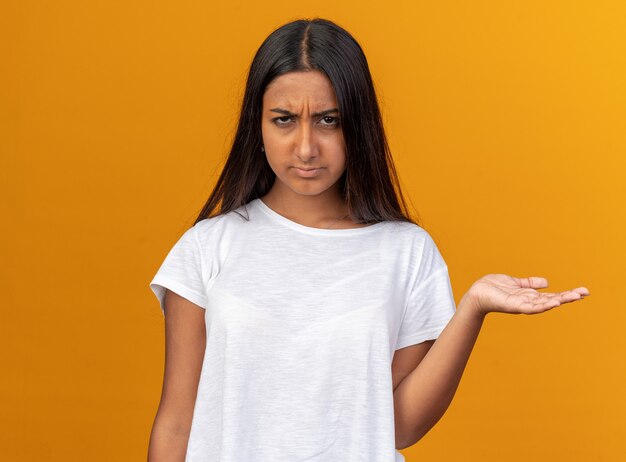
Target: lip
x,y
307,172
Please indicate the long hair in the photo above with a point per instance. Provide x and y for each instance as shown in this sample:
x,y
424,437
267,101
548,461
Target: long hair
x,y
369,185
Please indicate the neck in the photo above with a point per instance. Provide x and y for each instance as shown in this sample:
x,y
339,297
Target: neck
x,y
318,211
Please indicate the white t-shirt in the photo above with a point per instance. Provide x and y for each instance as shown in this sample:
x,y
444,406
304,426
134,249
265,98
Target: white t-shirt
x,y
302,324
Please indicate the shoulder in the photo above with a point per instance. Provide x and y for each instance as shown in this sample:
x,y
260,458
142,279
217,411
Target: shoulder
x,y
222,225
418,245
405,232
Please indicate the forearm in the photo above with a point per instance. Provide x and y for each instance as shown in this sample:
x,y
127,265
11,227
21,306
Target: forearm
x,y
423,396
168,441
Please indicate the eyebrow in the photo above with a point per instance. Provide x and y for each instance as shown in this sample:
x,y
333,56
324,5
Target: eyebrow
x,y
317,114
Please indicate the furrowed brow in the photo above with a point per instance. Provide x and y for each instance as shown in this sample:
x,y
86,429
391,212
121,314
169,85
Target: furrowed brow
x,y
317,114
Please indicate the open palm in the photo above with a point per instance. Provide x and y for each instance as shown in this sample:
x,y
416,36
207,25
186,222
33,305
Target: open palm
x,y
507,294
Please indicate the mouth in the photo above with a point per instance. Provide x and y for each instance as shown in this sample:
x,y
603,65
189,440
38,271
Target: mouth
x,y
307,172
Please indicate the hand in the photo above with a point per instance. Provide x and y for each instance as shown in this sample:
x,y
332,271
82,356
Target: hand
x,y
508,294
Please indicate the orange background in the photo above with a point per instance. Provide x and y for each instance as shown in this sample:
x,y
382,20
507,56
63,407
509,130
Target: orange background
x,y
507,121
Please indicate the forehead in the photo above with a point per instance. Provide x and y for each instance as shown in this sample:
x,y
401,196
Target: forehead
x,y
297,88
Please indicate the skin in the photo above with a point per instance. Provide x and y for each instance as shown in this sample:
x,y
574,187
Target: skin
x,y
424,376
185,341
424,394
298,131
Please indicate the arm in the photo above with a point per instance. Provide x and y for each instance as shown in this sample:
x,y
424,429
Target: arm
x,y
185,340
406,359
425,393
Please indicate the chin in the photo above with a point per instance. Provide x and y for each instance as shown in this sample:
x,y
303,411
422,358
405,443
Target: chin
x,y
304,186
308,191
303,189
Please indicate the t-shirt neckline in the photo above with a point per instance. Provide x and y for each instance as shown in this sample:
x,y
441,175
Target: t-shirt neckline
x,y
311,230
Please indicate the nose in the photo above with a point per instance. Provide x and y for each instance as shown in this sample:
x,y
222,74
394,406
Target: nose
x,y
306,146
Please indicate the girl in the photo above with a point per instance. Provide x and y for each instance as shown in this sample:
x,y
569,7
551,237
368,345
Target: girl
x,y
309,318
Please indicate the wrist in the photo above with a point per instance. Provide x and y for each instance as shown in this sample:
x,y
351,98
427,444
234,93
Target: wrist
x,y
469,306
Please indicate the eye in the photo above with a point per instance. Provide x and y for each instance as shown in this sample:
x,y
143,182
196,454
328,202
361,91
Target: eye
x,y
330,121
282,120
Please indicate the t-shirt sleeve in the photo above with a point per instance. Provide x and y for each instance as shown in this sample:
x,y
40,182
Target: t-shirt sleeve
x,y
182,272
430,302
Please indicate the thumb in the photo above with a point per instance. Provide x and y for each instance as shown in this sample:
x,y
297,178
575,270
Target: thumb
x,y
532,282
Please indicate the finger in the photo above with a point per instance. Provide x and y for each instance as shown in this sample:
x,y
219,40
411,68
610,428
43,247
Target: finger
x,y
548,305
546,301
569,296
533,282
582,290
538,306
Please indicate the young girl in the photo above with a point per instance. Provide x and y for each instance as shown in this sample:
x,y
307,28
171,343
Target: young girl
x,y
301,317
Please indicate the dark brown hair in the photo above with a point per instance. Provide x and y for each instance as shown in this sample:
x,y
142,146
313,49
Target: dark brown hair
x,y
370,183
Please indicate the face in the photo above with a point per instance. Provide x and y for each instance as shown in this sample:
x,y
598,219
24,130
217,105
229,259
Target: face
x,y
302,134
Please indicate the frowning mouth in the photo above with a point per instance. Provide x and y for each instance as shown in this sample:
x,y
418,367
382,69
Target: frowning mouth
x,y
307,172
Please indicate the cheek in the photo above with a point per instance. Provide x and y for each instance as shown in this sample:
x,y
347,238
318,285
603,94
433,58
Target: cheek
x,y
265,136
336,150
273,140
274,151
